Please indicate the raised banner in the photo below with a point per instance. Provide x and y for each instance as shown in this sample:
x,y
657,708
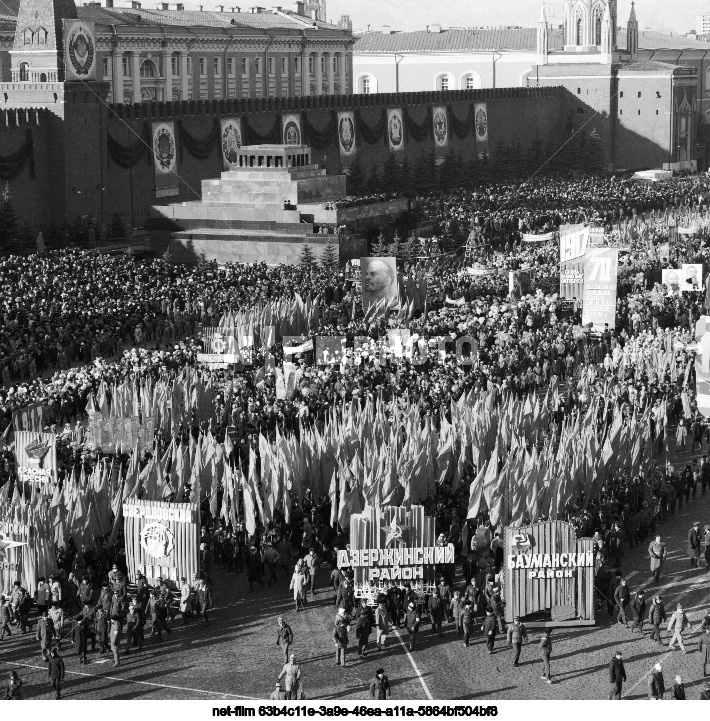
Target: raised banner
x,y
36,457
221,348
79,48
162,540
346,133
165,160
573,245
601,267
291,126
533,238
395,129
691,277
110,434
29,418
702,365
231,140
440,119
27,549
480,122
380,289
670,277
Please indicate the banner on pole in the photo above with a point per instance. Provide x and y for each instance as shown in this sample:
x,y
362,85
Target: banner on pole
x,y
165,160
36,457
231,137
573,245
29,418
601,267
379,283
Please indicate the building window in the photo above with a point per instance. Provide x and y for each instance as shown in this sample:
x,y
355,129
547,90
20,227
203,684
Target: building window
x,y
579,91
270,65
148,69
126,67
578,31
639,112
189,66
24,72
598,27
471,81
443,83
28,37
283,65
230,66
245,66
174,66
639,94
297,65
106,68
367,85
41,36
216,66
202,66
323,65
656,112
621,94
621,112
257,66
310,65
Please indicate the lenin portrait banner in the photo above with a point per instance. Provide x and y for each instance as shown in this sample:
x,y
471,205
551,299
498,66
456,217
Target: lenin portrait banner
x,y
165,159
291,128
395,129
378,278
230,140
162,539
346,133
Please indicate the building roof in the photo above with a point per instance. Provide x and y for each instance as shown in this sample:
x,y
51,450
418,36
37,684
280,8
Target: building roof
x,y
638,66
195,18
501,38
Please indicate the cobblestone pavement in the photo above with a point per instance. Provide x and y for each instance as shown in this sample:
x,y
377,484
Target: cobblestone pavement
x,y
237,657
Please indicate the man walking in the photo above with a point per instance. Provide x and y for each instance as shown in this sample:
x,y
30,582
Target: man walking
x,y
678,624
694,542
546,652
490,628
115,640
622,596
678,689
517,633
56,671
657,554
617,676
292,673
656,617
656,684
639,611
45,633
704,648
436,612
380,686
284,637
412,622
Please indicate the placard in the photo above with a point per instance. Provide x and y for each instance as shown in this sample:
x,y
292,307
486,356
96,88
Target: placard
x,y
36,457
691,277
378,277
601,267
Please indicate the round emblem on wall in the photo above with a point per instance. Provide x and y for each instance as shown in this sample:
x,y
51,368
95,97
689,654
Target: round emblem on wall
x,y
346,133
481,123
231,143
157,540
395,131
292,133
164,145
81,49
440,126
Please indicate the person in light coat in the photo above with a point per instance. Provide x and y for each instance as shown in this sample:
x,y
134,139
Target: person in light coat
x,y
185,601
677,624
298,585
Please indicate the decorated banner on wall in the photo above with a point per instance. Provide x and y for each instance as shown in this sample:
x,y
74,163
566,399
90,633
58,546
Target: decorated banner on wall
x,y
691,277
393,544
36,456
440,119
346,133
79,49
601,267
162,539
165,159
573,245
480,123
291,126
231,140
395,129
380,290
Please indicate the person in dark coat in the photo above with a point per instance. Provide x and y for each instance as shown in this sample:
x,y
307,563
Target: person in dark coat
x,y
546,652
79,637
436,612
657,554
254,568
101,629
622,596
678,689
490,628
467,619
380,686
657,616
638,608
656,684
694,543
363,627
45,633
704,648
56,671
617,676
340,637
13,690
412,621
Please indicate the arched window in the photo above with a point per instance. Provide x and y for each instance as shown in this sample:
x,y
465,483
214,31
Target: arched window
x,y
597,29
43,77
444,82
24,72
578,31
41,36
148,69
471,81
28,36
366,84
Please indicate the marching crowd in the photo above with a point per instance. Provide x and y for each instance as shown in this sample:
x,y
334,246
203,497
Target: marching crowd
x,y
67,314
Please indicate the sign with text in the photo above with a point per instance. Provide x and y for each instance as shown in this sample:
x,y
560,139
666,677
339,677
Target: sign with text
x,y
601,266
36,456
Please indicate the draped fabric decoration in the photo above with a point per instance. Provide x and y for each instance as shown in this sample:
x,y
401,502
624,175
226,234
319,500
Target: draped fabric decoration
x,y
11,165
418,131
375,134
126,156
199,148
462,128
254,137
320,139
